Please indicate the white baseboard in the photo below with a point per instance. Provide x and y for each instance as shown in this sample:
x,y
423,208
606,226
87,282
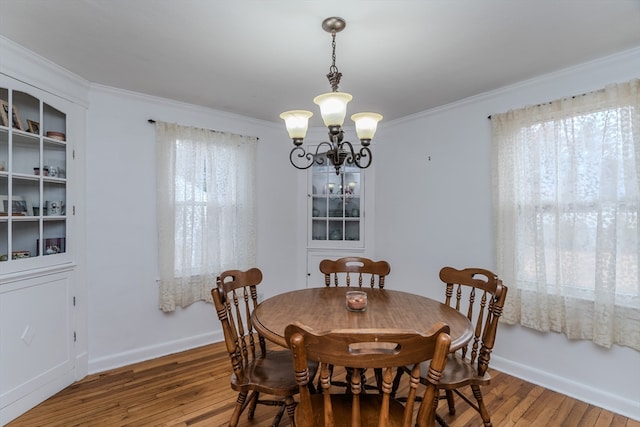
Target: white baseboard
x,y
601,398
82,363
152,352
12,410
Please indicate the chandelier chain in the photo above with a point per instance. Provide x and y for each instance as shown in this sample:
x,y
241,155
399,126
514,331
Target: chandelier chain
x,y
334,75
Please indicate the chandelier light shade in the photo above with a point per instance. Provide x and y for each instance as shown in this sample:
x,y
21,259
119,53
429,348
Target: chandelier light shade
x,y
297,122
333,109
366,126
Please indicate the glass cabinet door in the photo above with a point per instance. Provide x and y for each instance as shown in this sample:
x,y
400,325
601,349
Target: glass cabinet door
x,y
33,182
336,203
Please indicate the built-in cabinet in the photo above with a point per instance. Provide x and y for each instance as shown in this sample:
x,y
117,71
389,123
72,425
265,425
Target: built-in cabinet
x,y
336,206
42,330
33,179
335,215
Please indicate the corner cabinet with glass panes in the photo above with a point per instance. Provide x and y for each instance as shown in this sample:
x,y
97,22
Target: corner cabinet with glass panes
x,y
336,204
33,180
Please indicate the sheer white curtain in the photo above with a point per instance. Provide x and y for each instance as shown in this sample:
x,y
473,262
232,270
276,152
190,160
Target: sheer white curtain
x,y
205,209
566,199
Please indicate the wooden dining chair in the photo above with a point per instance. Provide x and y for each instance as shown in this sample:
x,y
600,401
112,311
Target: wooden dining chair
x,y
360,349
480,295
254,369
363,270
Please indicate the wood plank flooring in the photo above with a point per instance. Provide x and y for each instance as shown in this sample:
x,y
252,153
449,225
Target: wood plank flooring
x,y
192,389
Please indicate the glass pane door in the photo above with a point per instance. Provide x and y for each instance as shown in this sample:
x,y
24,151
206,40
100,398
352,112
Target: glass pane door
x,y
336,202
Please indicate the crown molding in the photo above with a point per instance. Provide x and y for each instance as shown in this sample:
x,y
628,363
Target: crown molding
x,y
21,64
625,57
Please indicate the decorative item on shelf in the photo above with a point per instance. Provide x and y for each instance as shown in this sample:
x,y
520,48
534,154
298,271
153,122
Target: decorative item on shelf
x,y
53,171
16,255
34,127
19,206
356,300
335,235
15,118
316,212
333,108
56,245
56,135
55,208
45,171
4,114
2,166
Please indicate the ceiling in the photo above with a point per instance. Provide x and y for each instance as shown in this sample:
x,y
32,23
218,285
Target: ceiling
x,y
258,58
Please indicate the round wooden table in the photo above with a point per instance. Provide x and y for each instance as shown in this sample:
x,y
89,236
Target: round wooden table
x,y
325,309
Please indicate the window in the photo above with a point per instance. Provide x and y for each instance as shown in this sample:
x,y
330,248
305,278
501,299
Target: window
x,y
205,209
567,198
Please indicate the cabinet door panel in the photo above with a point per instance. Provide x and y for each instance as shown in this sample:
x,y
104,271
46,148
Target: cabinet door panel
x,y
36,337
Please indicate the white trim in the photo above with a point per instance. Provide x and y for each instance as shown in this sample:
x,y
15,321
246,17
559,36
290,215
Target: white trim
x,y
41,73
593,396
38,395
142,354
20,276
627,55
188,108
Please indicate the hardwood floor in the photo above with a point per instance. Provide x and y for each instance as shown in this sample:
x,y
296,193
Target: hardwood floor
x,y
192,389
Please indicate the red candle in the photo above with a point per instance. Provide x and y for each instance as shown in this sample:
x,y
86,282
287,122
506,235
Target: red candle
x,y
356,300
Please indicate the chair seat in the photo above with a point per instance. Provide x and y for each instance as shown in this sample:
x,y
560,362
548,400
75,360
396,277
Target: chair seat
x,y
369,410
271,374
458,372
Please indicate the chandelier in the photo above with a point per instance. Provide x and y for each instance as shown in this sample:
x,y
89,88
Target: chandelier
x,y
333,108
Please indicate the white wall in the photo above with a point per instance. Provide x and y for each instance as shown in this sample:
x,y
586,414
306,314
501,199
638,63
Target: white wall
x,y
440,214
125,324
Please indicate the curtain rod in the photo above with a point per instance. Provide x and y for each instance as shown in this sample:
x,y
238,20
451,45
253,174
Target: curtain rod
x,y
152,121
551,102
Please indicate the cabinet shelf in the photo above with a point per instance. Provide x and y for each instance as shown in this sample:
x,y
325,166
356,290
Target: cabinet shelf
x,y
25,177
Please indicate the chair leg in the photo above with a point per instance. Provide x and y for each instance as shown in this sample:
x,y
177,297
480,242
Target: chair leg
x,y
347,380
378,374
290,404
450,402
482,409
319,388
253,402
278,417
240,405
396,382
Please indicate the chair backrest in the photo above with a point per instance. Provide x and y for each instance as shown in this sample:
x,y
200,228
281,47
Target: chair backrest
x,y
480,295
235,297
360,349
364,270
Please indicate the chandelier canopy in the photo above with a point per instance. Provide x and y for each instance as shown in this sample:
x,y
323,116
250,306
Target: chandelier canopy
x,y
333,108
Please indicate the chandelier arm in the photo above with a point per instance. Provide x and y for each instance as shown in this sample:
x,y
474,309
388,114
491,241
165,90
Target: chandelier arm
x,y
320,160
357,157
300,153
310,157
